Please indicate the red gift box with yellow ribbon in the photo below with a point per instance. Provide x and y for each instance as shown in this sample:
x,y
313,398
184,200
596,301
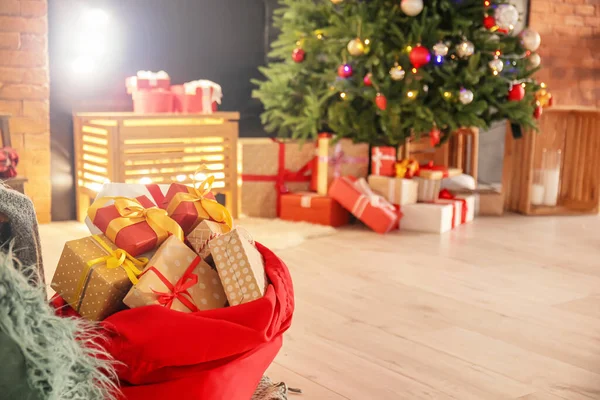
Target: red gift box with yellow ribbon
x,y
93,276
356,196
190,205
134,225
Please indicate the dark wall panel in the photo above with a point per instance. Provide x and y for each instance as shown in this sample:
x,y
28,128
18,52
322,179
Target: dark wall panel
x,y
221,40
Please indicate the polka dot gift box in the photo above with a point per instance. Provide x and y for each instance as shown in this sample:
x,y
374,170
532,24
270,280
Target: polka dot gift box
x,y
177,278
93,276
240,266
203,233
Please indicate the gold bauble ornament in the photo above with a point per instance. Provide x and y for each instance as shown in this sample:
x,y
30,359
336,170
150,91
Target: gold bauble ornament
x,y
337,1
356,47
543,97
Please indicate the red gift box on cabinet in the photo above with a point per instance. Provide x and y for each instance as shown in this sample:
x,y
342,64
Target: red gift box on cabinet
x,y
134,225
152,101
356,196
145,80
197,97
310,207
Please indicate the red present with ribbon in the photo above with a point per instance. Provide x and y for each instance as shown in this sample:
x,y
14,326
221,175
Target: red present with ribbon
x,y
332,161
178,279
310,207
271,168
190,205
9,159
383,160
356,196
134,225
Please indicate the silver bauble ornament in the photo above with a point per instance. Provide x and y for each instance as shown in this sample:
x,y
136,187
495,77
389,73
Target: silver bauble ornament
x,y
465,96
465,49
496,65
440,49
411,7
506,16
397,73
531,39
535,60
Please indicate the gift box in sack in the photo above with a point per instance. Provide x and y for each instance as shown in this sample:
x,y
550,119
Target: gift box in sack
x,y
271,168
153,193
216,354
334,160
134,225
9,159
197,97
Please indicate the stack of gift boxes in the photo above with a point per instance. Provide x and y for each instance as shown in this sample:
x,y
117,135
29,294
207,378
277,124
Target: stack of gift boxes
x,y
170,246
327,182
152,93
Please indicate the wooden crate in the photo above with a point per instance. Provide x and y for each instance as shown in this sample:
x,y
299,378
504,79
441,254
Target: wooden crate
x,y
574,131
154,148
460,151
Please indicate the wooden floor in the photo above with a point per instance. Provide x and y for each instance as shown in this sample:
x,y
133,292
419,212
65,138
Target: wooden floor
x,y
505,308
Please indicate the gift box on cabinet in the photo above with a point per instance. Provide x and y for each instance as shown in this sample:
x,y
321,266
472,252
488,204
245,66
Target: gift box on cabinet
x,y
271,168
145,80
310,207
134,225
204,233
152,101
240,266
94,276
153,193
336,159
200,96
356,196
189,206
178,279
398,191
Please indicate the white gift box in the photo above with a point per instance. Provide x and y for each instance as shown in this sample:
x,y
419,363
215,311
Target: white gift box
x,y
429,189
397,191
427,217
154,192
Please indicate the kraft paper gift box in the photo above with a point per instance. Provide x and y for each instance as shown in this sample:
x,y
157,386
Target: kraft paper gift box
x,y
177,278
154,193
134,225
398,191
240,266
428,217
312,208
91,277
270,169
356,196
336,159
189,206
202,234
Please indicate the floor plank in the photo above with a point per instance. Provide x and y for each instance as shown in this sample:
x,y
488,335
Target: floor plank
x,y
504,308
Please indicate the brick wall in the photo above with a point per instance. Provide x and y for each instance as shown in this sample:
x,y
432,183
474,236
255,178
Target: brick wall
x,y
570,50
24,93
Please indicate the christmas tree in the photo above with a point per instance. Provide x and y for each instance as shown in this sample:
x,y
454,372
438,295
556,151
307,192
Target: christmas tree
x,y
379,71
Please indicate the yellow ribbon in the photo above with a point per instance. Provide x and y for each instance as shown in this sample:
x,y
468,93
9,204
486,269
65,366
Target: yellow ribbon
x,y
206,208
114,259
132,212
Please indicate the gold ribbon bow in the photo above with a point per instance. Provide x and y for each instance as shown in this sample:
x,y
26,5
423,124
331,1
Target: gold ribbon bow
x,y
206,208
132,212
114,259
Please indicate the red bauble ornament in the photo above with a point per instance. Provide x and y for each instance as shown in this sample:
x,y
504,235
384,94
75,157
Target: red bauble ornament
x,y
434,136
516,93
419,56
367,79
537,112
489,22
381,101
298,55
345,71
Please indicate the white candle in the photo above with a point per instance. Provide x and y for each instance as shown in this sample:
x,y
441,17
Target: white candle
x,y
551,186
537,194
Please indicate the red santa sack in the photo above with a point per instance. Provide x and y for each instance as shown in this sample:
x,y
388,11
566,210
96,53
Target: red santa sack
x,y
218,354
